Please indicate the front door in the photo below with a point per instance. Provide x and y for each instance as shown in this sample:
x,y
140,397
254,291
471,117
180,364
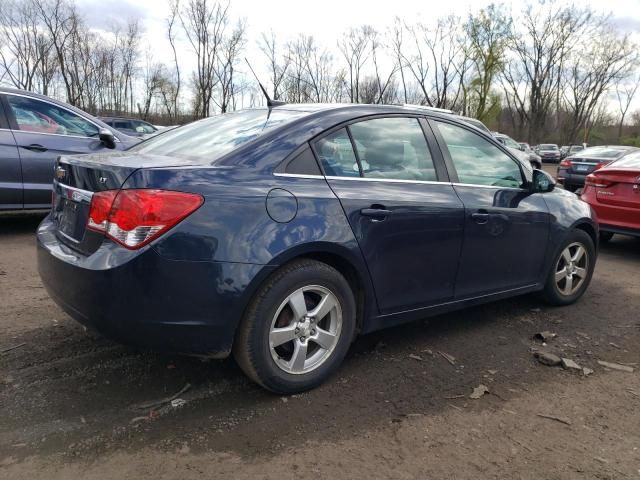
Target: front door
x,y
506,227
43,131
408,223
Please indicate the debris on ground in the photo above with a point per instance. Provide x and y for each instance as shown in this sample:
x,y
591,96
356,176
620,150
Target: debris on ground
x,y
587,371
7,350
453,397
428,351
492,372
564,420
284,399
616,366
478,392
545,336
416,357
163,401
547,358
633,392
178,402
449,358
535,310
583,335
569,364
615,345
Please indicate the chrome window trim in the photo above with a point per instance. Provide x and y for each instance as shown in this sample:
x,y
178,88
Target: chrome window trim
x,y
390,180
86,194
387,180
458,184
297,175
57,106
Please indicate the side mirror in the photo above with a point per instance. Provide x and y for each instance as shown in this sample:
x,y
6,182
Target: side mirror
x,y
107,138
542,182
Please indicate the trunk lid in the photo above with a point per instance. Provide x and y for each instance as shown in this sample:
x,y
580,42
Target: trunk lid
x,y
584,166
77,178
622,190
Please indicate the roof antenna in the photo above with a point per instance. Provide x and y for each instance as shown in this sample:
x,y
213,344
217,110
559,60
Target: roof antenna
x,y
270,103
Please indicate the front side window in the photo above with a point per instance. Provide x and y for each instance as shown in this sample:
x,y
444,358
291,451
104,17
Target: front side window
x,y
393,148
477,161
42,117
336,155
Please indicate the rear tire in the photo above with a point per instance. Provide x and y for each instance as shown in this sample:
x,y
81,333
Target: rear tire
x,y
572,269
297,329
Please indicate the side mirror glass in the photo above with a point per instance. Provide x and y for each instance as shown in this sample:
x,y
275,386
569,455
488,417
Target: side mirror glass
x,y
542,182
107,138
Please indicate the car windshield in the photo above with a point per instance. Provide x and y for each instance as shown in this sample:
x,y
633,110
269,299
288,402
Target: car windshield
x,y
214,137
602,152
548,146
509,142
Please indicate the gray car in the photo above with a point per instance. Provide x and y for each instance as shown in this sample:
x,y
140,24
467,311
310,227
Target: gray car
x,y
34,131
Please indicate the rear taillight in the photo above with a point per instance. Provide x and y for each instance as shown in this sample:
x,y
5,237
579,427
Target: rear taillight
x,y
135,217
566,163
601,164
594,181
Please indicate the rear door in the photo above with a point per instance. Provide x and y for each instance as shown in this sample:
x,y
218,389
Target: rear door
x,y
43,131
405,215
10,171
506,227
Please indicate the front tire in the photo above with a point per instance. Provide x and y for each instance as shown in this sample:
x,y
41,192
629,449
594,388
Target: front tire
x,y
297,329
571,270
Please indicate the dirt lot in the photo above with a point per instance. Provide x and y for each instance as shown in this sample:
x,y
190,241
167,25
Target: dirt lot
x,y
70,403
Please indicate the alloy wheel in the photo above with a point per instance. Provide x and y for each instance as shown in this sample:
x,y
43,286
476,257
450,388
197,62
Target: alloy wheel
x,y
571,269
305,329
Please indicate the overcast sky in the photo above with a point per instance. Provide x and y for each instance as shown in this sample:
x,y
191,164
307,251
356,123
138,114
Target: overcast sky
x,y
325,19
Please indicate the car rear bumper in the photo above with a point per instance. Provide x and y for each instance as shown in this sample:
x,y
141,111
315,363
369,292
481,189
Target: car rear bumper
x,y
144,299
614,218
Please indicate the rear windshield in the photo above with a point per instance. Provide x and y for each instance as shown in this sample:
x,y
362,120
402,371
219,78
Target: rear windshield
x,y
629,161
213,137
548,146
602,152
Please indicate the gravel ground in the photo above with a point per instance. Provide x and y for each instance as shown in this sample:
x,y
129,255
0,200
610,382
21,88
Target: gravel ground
x,y
72,405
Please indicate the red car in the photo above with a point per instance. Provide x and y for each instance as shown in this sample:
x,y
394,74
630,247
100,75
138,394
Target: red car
x,y
614,194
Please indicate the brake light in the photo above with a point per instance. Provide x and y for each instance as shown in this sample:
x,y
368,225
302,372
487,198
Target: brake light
x,y
566,163
594,181
601,164
135,217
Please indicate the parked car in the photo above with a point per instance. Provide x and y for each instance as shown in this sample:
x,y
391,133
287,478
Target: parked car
x,y
279,234
131,126
548,152
614,194
34,131
573,170
525,147
516,149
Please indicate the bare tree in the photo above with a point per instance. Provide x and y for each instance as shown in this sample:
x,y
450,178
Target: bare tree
x,y
625,93
204,23
278,65
225,67
538,48
354,46
488,32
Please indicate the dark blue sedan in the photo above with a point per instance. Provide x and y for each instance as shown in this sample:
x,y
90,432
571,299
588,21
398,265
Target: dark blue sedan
x,y
280,234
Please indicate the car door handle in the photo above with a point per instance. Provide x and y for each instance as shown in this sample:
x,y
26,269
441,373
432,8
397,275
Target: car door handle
x,y
480,217
375,213
34,147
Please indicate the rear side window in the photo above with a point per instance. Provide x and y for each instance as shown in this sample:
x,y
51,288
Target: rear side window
x,y
393,148
336,155
214,137
477,161
37,116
